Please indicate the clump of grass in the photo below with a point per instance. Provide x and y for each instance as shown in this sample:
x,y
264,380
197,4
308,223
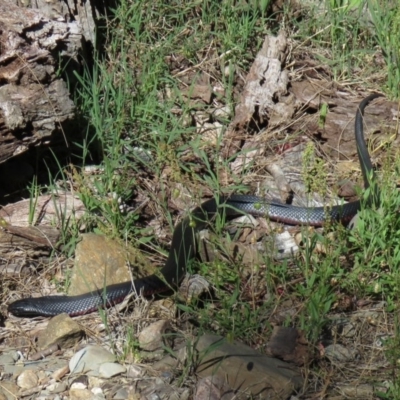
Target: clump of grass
x,y
377,237
314,171
386,18
339,35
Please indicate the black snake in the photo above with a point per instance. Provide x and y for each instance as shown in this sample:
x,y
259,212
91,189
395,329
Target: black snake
x,y
183,246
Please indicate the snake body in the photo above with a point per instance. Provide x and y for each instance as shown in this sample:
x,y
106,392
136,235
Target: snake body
x,y
183,246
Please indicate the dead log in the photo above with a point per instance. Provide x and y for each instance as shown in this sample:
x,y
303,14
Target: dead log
x,y
32,227
265,100
35,105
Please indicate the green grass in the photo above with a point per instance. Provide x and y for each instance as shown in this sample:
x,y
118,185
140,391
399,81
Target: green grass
x,y
133,98
386,18
342,37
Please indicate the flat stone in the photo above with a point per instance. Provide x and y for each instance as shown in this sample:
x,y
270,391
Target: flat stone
x,y
9,390
108,370
121,394
245,370
151,338
7,362
89,359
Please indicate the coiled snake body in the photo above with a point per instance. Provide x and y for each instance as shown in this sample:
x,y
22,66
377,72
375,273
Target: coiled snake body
x,y
183,244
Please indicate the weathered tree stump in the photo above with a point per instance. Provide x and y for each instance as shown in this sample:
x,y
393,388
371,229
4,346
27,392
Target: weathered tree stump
x,y
36,44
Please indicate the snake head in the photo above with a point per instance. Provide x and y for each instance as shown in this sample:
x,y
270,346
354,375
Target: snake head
x,y
23,308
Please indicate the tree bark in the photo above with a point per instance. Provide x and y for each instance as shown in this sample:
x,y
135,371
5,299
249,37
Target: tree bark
x,y
35,106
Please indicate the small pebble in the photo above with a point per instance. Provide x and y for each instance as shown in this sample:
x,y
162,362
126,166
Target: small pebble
x,y
27,379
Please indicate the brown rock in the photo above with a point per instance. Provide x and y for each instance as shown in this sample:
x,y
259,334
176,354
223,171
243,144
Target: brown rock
x,y
289,344
213,388
363,391
246,371
100,261
8,389
27,379
61,330
151,338
80,394
347,189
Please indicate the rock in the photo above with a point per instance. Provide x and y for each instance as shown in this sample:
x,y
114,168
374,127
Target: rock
x,y
353,222
285,246
247,253
8,390
80,382
248,249
27,379
184,394
7,362
57,387
135,371
151,338
193,286
78,386
98,393
167,363
349,330
363,391
121,394
346,188
247,372
210,132
95,381
289,344
212,388
156,388
9,358
338,353
61,330
100,261
108,370
80,394
222,112
89,359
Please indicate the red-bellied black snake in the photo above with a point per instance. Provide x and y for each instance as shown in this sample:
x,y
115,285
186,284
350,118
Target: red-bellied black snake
x,y
183,246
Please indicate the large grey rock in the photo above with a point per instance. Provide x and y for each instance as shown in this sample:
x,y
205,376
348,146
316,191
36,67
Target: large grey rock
x,y
90,358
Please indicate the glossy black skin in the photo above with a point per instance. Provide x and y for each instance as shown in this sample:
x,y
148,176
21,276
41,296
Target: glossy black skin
x,y
183,242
